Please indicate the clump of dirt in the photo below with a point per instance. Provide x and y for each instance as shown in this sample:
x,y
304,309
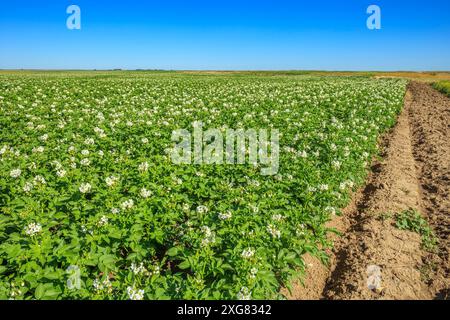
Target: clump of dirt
x,y
374,259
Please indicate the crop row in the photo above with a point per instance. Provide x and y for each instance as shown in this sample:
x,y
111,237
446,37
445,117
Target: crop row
x,y
91,206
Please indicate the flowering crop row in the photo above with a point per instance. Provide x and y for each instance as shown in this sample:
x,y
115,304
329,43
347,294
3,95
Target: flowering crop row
x,y
87,188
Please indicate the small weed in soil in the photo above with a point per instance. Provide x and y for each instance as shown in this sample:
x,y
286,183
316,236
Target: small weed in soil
x,y
412,220
385,216
428,269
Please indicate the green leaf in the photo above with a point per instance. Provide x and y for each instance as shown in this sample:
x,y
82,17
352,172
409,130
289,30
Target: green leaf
x,y
172,252
107,262
46,291
184,265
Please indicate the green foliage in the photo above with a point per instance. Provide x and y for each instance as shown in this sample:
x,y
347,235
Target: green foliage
x,y
412,220
58,209
443,86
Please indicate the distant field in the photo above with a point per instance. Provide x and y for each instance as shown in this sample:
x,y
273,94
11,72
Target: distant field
x,y
417,76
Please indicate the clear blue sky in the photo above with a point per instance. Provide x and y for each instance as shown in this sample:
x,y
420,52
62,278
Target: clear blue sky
x,y
231,34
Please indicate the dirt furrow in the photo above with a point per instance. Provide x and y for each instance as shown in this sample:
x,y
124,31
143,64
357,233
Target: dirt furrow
x,y
430,127
412,175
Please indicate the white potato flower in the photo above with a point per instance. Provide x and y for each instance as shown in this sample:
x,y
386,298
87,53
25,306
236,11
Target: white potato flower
x,y
103,221
15,173
145,193
39,180
111,181
85,162
135,294
244,294
274,232
248,253
127,204
89,141
202,209
85,188
39,149
61,173
225,216
27,187
143,167
33,229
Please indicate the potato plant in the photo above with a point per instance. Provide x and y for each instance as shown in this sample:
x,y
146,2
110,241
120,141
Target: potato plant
x,y
87,188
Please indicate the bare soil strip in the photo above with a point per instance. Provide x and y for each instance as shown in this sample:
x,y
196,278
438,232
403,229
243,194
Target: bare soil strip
x,y
430,127
412,174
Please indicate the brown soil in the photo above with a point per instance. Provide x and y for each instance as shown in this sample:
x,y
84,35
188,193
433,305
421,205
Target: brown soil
x,y
430,126
414,173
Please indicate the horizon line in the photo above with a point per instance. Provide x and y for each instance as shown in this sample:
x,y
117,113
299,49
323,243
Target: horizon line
x,y
221,70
